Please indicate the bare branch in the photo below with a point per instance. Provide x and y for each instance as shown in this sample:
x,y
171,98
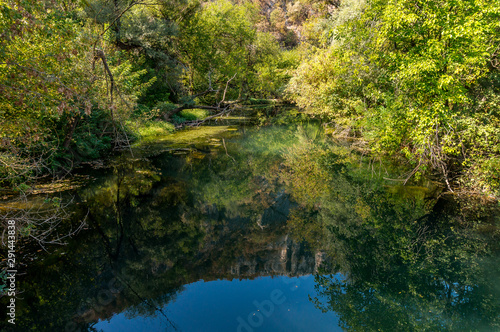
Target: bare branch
x,y
225,90
41,222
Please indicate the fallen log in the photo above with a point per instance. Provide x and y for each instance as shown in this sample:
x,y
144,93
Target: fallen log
x,y
194,123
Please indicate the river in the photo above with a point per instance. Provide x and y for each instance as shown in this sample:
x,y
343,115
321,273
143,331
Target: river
x,y
236,227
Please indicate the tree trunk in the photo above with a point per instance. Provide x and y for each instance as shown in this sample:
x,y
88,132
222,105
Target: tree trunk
x,y
117,25
69,134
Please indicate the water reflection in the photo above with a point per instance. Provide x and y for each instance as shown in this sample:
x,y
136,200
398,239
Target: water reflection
x,y
410,261
279,201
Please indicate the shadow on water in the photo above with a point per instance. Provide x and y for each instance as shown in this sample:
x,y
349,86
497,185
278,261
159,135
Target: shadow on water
x,y
275,201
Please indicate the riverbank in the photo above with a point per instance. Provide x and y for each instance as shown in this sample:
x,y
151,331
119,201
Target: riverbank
x,y
189,129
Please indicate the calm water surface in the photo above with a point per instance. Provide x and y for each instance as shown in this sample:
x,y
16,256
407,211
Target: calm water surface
x,y
263,229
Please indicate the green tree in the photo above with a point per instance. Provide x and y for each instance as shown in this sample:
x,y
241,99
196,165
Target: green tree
x,y
415,79
215,45
62,86
45,83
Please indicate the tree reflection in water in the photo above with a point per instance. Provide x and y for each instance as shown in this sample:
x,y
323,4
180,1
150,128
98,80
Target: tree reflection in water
x,y
408,261
274,201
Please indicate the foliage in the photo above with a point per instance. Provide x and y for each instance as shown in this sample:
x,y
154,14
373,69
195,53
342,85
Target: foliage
x,y
220,46
76,74
44,82
274,68
59,102
417,79
215,43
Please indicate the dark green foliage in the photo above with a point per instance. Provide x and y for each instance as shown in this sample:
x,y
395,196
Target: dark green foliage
x,y
92,140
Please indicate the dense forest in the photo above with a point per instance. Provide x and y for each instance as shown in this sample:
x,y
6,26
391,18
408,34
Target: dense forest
x,y
414,81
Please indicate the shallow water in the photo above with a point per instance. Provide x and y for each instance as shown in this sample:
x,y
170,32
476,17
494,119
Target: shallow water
x,y
263,229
